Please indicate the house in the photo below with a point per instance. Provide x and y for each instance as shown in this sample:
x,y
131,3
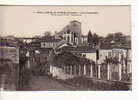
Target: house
x,y
49,42
9,49
10,53
10,41
81,51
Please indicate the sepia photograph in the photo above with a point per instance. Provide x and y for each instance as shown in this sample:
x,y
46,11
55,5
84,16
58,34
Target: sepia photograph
x,y
65,48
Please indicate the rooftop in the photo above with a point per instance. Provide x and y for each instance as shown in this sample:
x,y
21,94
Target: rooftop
x,y
79,49
68,58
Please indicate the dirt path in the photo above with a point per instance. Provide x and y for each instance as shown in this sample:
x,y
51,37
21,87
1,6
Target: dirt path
x,y
44,83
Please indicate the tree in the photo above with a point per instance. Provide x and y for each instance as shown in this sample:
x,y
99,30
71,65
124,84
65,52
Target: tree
x,y
89,37
36,38
47,33
95,38
118,37
109,37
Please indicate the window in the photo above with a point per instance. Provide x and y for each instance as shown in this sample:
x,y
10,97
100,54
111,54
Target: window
x,y
68,31
109,54
43,44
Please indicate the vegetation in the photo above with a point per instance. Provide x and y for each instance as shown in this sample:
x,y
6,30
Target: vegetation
x,y
116,38
93,39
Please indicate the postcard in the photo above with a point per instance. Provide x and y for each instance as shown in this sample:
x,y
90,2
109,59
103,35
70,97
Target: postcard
x,y
65,48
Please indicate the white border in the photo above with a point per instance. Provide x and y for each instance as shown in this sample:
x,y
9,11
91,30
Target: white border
x,y
67,2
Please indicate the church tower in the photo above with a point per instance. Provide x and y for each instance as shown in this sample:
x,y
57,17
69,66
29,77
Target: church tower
x,y
72,32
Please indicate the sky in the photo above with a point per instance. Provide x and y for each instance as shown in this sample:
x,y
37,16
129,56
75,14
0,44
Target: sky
x,y
25,21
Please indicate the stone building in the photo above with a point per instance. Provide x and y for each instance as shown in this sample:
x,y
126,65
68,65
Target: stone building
x,y
71,33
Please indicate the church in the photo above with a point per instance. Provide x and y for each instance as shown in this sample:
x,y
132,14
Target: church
x,y
72,34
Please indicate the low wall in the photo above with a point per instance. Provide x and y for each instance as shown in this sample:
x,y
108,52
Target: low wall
x,y
59,73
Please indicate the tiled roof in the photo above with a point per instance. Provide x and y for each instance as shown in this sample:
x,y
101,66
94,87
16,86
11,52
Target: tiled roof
x,y
67,58
79,49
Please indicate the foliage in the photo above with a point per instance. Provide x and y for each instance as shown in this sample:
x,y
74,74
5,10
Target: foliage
x,y
113,60
89,37
93,39
47,33
117,37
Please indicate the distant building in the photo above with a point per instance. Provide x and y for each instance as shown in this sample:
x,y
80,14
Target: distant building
x,y
81,51
50,43
72,33
9,53
9,49
84,39
10,41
